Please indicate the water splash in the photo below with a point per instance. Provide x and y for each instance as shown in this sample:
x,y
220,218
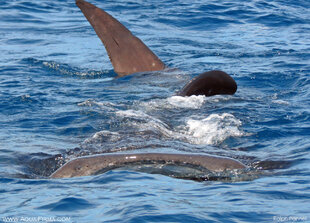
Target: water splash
x,y
213,130
192,102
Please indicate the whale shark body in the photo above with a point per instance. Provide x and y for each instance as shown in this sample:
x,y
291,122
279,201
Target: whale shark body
x,y
129,55
100,163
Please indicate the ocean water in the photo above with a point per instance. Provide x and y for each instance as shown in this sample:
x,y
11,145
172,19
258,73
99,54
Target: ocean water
x,y
60,99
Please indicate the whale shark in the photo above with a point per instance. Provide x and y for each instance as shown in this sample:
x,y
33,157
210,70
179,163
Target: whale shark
x,y
92,165
129,55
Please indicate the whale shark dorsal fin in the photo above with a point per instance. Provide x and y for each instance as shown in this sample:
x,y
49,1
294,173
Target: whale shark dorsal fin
x,y
128,54
210,83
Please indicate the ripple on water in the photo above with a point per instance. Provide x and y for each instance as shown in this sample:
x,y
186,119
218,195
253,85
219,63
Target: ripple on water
x,y
68,204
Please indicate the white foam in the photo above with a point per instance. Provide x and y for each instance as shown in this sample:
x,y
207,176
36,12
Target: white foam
x,y
107,106
63,69
193,102
133,114
147,122
101,135
212,130
280,102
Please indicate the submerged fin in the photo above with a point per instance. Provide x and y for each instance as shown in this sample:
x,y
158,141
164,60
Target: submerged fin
x,y
210,83
91,165
128,54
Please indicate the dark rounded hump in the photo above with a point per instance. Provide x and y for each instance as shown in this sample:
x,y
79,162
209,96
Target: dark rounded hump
x,y
210,83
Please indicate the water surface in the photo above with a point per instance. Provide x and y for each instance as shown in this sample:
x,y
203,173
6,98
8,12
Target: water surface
x,y
60,95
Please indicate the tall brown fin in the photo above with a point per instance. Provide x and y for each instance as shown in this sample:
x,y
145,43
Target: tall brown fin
x,y
128,54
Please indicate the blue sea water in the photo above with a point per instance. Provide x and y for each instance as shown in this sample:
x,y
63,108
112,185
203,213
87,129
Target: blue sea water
x,y
60,99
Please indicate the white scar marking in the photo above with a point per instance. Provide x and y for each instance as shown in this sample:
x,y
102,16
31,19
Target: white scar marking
x,y
130,157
